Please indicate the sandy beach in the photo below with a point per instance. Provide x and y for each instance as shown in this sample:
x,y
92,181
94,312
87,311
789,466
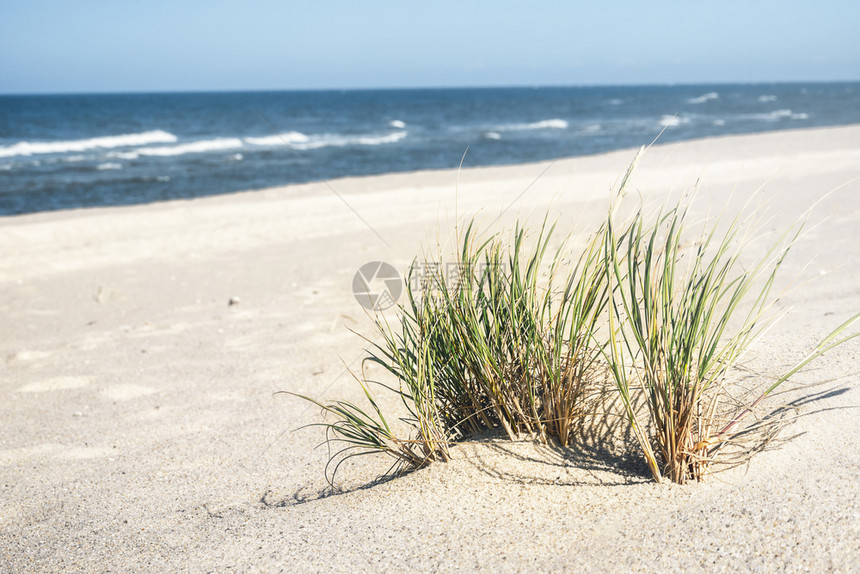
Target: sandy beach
x,y
142,432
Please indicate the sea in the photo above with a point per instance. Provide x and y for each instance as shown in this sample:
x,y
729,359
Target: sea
x,y
79,151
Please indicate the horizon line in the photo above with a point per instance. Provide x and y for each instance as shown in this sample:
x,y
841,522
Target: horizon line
x,y
422,88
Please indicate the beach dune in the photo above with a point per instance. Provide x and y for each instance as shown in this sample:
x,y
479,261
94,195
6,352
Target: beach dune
x,y
143,346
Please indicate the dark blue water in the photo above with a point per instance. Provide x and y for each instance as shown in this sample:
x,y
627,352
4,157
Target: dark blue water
x,y
59,152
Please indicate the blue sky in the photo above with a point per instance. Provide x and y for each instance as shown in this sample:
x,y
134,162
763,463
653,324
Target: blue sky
x,y
157,45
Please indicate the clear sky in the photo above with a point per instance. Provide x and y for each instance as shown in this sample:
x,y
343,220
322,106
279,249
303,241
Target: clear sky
x,y
175,45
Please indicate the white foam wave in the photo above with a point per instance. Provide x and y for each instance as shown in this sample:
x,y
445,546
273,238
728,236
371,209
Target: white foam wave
x,y
592,128
767,98
108,165
124,140
379,140
288,138
673,121
300,141
397,124
493,135
553,124
182,149
777,115
704,98
7,166
719,122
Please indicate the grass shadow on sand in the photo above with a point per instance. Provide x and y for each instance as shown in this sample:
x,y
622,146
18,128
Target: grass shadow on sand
x,y
309,493
605,453
767,432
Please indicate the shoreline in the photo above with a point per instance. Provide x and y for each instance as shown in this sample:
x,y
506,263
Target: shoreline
x,y
440,173
143,431
167,228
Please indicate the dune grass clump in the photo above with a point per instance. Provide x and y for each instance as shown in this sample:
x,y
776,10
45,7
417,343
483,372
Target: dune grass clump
x,y
507,342
510,338
521,339
671,329
684,311
681,318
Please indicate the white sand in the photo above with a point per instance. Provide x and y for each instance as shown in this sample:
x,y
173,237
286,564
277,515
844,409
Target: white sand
x,y
141,433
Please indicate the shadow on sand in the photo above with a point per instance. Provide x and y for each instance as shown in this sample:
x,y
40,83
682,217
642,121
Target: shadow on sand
x,y
603,453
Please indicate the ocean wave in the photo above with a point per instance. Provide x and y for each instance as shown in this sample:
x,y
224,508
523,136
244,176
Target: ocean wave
x,y
553,124
704,98
108,165
339,141
673,121
287,138
592,128
766,98
777,115
390,138
299,141
124,140
493,135
202,146
399,124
